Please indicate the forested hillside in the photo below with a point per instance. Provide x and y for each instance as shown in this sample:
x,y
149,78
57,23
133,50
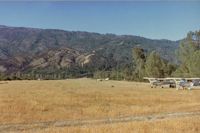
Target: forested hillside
x,y
52,53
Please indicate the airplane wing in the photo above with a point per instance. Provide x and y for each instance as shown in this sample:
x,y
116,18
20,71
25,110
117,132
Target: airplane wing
x,y
154,82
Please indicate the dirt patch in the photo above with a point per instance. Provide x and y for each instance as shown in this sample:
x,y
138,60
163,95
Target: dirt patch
x,y
40,125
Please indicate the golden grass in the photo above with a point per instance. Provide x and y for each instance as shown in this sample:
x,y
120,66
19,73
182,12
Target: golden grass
x,y
32,101
177,125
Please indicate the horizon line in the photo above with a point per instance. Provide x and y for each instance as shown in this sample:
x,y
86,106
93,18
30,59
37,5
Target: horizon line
x,y
136,35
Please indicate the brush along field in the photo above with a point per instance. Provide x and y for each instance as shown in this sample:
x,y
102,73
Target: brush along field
x,y
87,99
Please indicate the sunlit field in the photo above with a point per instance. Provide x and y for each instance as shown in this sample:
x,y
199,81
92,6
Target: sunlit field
x,y
80,99
176,125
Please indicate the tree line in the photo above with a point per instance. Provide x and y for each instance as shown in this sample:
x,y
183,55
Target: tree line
x,y
188,56
144,63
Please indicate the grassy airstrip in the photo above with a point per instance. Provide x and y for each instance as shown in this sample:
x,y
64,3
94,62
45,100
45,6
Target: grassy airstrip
x,y
77,99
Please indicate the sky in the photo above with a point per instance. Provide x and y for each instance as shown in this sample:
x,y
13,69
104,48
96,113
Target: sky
x,y
152,19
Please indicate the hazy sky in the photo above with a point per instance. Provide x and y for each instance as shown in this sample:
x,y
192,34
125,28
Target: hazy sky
x,y
156,20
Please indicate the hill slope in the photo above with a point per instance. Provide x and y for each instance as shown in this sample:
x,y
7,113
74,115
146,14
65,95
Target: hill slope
x,y
23,49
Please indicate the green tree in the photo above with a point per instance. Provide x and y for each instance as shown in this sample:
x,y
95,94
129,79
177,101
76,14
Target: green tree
x,y
194,64
155,65
139,62
185,54
169,68
1,76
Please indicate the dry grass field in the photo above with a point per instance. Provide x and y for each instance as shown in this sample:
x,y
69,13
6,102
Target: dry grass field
x,y
78,99
180,125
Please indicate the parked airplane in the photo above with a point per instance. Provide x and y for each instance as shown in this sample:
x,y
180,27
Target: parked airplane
x,y
177,83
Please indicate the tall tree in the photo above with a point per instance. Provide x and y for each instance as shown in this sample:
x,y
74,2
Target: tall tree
x,y
155,65
185,53
194,64
139,61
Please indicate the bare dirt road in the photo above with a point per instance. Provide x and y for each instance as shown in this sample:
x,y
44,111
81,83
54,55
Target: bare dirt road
x,y
17,127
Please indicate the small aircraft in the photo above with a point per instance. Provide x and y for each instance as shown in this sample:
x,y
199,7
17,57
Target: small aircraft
x,y
177,83
162,82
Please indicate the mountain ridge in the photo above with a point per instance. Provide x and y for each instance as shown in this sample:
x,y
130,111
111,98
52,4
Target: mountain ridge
x,y
21,46
161,39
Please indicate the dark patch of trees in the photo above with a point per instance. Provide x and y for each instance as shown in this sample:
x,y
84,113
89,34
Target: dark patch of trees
x,y
106,63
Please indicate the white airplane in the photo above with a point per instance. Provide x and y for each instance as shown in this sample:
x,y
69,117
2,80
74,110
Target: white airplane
x,y
163,82
177,83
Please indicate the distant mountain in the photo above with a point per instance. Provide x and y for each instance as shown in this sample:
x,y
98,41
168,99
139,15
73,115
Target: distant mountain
x,y
25,49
